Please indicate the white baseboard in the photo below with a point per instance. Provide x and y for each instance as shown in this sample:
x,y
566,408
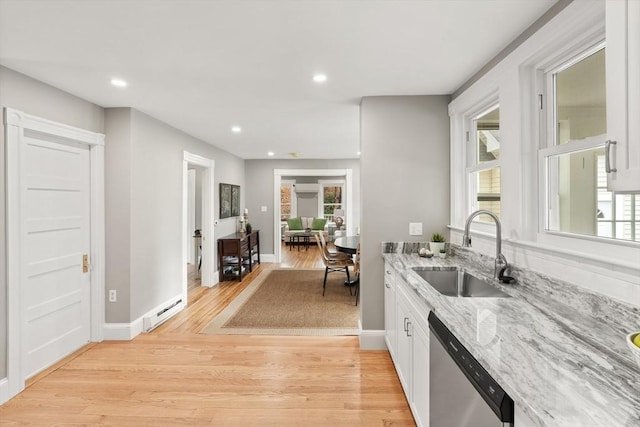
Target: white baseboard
x,y
216,279
122,331
4,390
267,258
128,331
371,339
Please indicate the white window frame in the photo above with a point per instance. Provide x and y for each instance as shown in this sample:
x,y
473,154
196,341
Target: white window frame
x,y
471,166
330,183
548,147
294,200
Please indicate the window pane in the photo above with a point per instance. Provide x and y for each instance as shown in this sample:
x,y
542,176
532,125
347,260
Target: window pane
x,y
285,194
623,230
580,99
488,136
578,204
624,207
488,192
574,199
332,194
605,228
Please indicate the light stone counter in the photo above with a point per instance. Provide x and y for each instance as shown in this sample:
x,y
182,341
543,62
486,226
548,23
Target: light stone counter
x,y
558,350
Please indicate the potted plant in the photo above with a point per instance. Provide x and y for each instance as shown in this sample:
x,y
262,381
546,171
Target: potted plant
x,y
437,243
248,227
442,253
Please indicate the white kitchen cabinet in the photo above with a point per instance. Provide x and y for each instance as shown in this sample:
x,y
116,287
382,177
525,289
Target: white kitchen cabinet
x,y
390,308
420,374
623,95
521,419
412,351
403,343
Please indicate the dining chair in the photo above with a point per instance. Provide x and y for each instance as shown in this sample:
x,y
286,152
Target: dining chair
x,y
332,253
333,264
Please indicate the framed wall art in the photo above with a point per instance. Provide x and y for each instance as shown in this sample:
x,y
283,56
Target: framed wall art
x,y
229,200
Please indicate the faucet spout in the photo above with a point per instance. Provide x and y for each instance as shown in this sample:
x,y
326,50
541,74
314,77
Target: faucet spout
x,y
501,262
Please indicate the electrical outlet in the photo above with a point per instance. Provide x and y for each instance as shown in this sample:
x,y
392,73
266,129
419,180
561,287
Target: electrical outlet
x,y
415,229
113,295
263,208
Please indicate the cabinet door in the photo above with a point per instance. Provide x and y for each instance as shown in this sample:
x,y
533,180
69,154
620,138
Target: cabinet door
x,y
521,419
623,94
403,343
390,310
420,377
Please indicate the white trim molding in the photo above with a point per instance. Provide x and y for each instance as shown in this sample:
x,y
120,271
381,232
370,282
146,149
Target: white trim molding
x,y
209,278
17,124
372,339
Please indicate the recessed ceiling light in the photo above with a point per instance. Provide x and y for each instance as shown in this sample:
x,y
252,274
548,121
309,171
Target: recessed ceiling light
x,y
358,153
118,83
270,154
320,78
236,129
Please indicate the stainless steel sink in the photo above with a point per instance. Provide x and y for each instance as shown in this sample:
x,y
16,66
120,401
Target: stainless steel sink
x,y
458,283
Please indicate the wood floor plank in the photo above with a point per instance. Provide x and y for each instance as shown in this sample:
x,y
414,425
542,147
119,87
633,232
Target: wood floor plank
x,y
176,376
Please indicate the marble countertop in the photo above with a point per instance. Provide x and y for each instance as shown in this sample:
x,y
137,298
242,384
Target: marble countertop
x,y
558,352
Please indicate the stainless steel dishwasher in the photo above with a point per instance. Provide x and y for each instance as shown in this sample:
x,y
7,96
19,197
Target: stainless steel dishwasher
x,y
461,392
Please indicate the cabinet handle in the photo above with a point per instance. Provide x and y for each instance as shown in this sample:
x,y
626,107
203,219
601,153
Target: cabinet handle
x,y
408,324
607,156
406,328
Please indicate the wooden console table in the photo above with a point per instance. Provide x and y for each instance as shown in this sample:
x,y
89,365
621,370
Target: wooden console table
x,y
237,254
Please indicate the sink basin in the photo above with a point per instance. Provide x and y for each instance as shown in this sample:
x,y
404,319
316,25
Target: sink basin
x,y
458,283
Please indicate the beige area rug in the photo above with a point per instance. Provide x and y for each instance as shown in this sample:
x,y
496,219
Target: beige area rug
x,y
290,302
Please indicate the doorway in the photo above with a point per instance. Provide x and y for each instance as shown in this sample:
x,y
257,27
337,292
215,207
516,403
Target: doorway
x,y
278,175
197,214
55,243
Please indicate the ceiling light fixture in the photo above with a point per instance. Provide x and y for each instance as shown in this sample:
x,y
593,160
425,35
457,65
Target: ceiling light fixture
x,y
320,78
358,153
236,129
270,154
118,83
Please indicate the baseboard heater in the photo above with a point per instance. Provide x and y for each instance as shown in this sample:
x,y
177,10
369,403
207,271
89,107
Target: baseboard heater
x,y
155,320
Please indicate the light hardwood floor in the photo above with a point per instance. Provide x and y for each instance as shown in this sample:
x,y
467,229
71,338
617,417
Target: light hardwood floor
x,y
176,376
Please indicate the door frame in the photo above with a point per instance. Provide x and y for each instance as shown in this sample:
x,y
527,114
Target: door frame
x,y
208,277
16,123
277,181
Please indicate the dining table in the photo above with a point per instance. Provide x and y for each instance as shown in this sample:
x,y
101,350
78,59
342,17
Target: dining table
x,y
347,244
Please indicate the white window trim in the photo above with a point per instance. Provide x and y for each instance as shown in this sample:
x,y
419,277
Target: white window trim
x,y
330,183
516,75
470,166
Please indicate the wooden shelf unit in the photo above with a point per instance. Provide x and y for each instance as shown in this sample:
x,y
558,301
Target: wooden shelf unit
x,y
237,254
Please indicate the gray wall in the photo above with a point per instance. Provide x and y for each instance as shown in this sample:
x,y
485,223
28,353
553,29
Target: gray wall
x,y
405,178
307,204
152,153
33,97
259,178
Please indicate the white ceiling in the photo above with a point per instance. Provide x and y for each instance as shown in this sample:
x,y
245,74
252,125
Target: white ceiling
x,y
204,66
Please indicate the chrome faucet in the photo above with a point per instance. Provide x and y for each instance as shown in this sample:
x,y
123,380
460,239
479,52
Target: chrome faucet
x,y
501,262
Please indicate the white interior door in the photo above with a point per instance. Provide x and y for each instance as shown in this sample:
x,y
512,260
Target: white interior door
x,y
55,231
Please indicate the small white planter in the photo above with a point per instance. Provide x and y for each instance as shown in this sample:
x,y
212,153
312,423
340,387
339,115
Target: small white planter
x,y
442,254
436,246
